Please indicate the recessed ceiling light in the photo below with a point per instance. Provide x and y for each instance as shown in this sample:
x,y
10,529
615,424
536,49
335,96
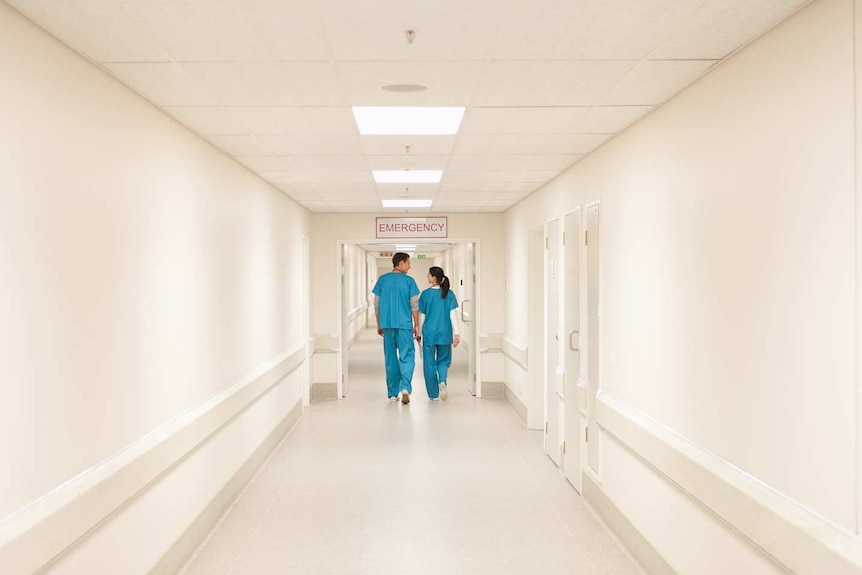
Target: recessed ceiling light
x,y
411,203
407,176
407,120
404,88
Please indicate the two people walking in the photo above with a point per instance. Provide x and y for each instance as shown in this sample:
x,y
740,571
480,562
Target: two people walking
x,y
397,305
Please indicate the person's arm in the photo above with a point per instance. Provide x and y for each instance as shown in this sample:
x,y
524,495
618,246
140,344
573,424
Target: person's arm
x,y
456,334
414,308
377,313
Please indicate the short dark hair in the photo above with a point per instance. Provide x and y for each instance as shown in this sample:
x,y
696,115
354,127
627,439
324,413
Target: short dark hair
x,y
398,258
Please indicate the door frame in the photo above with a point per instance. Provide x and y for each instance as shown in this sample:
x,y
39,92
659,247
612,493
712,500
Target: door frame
x,y
594,454
342,353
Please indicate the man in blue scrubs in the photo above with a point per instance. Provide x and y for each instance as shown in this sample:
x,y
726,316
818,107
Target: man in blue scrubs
x,y
396,305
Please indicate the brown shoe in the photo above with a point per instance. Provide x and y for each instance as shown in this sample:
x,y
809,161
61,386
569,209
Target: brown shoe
x,y
405,397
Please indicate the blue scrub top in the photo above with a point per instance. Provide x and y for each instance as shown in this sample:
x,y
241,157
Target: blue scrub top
x,y
437,329
395,290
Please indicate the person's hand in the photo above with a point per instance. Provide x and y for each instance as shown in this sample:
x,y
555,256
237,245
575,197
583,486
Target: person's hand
x,y
456,341
379,331
416,334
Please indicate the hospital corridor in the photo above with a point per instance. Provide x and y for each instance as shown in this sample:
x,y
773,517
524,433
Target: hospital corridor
x,y
479,287
368,486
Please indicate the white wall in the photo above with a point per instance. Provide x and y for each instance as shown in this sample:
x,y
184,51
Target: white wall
x,y
141,271
728,245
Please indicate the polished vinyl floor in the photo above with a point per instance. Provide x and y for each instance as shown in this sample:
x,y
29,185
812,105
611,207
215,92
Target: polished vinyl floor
x,y
365,486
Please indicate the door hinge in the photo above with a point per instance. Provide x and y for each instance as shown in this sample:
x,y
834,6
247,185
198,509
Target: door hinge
x,y
586,238
564,448
588,434
564,238
546,427
546,243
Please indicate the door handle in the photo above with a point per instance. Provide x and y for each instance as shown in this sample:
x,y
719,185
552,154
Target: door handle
x,y
571,343
464,310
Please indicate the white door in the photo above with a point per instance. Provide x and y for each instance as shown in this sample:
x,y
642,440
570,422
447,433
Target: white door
x,y
594,327
553,436
573,434
463,279
535,303
344,348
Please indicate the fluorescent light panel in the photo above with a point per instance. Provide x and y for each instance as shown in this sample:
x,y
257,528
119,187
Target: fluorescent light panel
x,y
407,120
410,203
407,176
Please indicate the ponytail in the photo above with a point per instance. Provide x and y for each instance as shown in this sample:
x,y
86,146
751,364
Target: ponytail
x,y
442,280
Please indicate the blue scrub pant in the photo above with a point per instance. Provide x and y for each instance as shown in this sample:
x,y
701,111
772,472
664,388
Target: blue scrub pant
x,y
398,350
436,360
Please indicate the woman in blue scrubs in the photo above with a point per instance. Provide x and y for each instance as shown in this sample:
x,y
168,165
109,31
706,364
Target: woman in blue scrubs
x,y
439,332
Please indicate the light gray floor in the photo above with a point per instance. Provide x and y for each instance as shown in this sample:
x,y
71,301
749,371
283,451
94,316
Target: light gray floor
x,y
362,485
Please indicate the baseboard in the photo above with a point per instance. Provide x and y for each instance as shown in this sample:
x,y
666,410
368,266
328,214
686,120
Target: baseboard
x,y
175,559
493,390
516,404
639,548
322,391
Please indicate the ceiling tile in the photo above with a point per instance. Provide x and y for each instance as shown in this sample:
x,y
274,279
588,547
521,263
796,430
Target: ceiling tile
x,y
479,176
313,145
491,187
335,177
163,84
240,145
449,83
326,163
345,187
721,26
464,197
418,190
99,29
296,120
408,162
518,189
577,144
232,30
209,120
349,196
587,29
608,119
652,82
551,120
419,145
538,176
444,29
503,144
270,83
510,162
549,83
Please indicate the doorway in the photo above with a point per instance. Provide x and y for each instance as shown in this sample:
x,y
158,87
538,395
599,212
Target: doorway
x,y
592,239
355,300
574,386
553,394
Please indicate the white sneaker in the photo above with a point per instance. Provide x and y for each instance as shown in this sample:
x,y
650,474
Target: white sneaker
x,y
444,394
393,399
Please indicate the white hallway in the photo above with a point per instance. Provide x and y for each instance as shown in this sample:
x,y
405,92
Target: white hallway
x,y
180,180
363,485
